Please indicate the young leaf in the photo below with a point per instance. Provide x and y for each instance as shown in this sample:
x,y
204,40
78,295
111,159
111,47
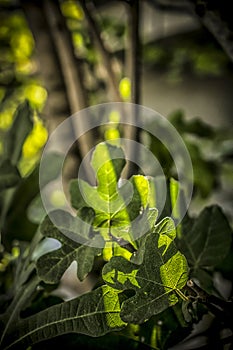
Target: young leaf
x,y
156,281
51,266
94,314
108,162
115,206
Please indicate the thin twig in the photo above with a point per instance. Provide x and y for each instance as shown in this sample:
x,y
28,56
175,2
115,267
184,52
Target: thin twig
x,y
207,298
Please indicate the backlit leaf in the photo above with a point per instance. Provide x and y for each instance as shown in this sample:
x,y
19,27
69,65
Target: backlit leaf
x,y
156,281
95,314
116,202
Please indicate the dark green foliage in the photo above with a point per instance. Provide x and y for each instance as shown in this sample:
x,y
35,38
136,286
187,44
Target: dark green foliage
x,y
143,295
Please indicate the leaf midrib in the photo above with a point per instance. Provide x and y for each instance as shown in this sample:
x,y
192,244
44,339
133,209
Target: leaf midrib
x,y
59,321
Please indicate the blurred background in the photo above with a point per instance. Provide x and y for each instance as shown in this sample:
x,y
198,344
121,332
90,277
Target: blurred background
x,y
58,57
174,57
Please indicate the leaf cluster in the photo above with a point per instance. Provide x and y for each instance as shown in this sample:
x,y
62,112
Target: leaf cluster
x,y
144,288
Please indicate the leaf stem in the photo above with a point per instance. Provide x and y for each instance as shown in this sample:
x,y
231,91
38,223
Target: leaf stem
x,y
207,298
181,295
125,244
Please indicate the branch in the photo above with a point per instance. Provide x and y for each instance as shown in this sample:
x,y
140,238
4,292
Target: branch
x,y
134,51
208,13
65,51
58,67
174,7
71,71
57,105
133,61
214,303
72,74
219,28
113,86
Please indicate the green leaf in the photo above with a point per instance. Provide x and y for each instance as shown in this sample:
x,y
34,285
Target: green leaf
x,y
9,175
18,222
194,126
174,191
207,241
52,163
51,266
158,189
76,198
166,226
36,211
94,314
156,281
115,206
18,132
108,162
